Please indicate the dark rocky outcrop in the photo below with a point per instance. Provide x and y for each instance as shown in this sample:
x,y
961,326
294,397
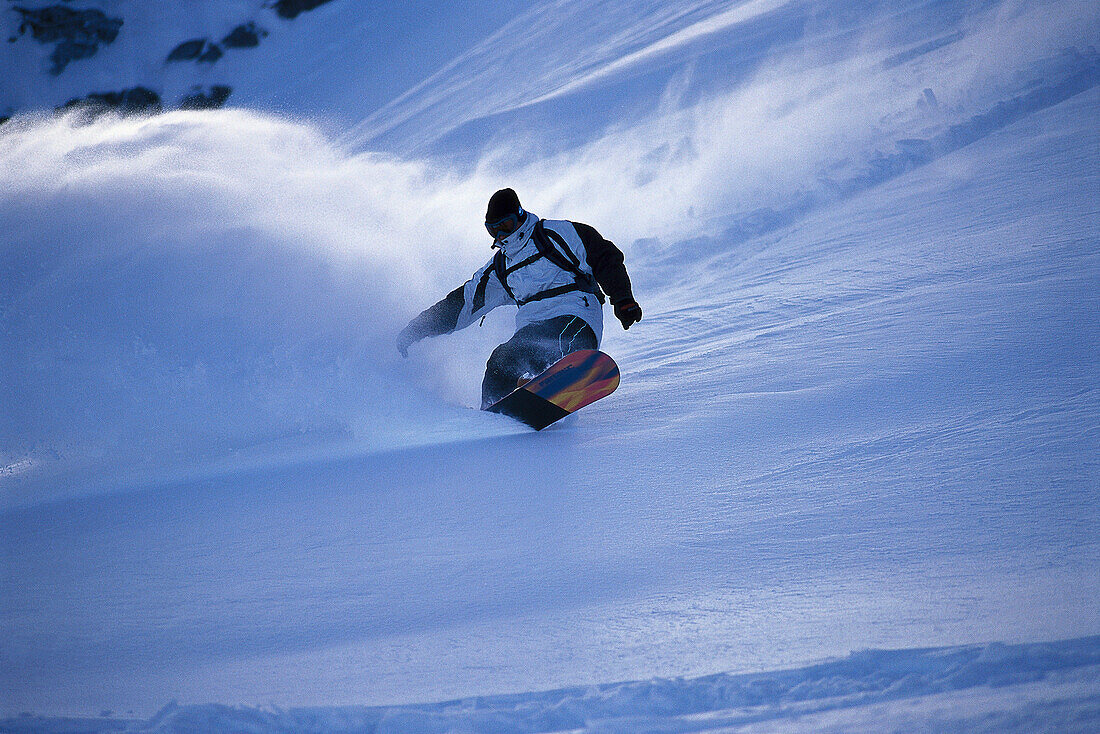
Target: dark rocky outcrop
x,y
212,53
204,50
188,50
197,49
137,100
76,33
141,100
200,100
244,36
294,8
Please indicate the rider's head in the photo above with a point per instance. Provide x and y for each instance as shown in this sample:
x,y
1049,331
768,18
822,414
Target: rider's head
x,y
504,214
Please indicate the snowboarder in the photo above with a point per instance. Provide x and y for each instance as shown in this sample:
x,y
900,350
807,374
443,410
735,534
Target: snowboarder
x,y
556,272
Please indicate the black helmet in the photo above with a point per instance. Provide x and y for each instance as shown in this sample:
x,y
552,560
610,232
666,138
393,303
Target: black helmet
x,y
501,204
504,214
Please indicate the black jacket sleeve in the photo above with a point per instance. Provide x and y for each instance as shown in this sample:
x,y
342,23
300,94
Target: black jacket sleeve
x,y
606,262
442,318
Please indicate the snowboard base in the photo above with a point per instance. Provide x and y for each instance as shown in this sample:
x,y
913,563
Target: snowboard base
x,y
576,380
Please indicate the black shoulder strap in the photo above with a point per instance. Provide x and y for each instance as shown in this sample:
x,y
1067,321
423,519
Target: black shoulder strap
x,y
502,274
557,256
563,257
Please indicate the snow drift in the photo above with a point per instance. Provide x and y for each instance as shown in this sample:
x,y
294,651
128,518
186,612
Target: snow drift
x,y
976,688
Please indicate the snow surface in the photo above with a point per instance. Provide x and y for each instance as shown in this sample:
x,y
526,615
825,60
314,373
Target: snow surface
x,y
860,413
1037,687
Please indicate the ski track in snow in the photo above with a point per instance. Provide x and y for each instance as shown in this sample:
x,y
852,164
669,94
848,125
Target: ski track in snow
x,y
860,413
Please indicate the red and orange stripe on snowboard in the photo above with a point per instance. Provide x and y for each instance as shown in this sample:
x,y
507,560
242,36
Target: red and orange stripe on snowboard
x,y
580,378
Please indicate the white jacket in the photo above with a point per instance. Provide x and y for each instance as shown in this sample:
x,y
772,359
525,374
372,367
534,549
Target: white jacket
x,y
484,292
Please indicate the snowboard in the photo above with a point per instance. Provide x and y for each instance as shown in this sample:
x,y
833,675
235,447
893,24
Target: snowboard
x,y
574,381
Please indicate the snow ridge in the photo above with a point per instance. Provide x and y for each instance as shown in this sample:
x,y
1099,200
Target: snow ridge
x,y
1054,685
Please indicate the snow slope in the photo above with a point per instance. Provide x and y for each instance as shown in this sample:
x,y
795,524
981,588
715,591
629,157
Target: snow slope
x,y
335,62
1038,687
860,412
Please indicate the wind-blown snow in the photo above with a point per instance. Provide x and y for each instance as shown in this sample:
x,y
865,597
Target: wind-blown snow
x,y
860,412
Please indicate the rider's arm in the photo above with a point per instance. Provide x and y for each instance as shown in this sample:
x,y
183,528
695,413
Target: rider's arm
x,y
442,318
460,308
606,261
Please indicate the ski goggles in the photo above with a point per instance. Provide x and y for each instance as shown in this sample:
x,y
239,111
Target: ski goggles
x,y
504,226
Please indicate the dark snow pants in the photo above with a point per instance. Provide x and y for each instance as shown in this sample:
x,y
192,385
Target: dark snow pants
x,y
531,350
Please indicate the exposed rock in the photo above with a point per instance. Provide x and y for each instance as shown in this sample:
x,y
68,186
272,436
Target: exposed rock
x,y
212,53
187,50
244,36
67,51
197,49
200,100
293,8
57,23
77,33
136,100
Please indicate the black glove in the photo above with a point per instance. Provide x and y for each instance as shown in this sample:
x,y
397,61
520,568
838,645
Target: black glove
x,y
404,340
628,312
